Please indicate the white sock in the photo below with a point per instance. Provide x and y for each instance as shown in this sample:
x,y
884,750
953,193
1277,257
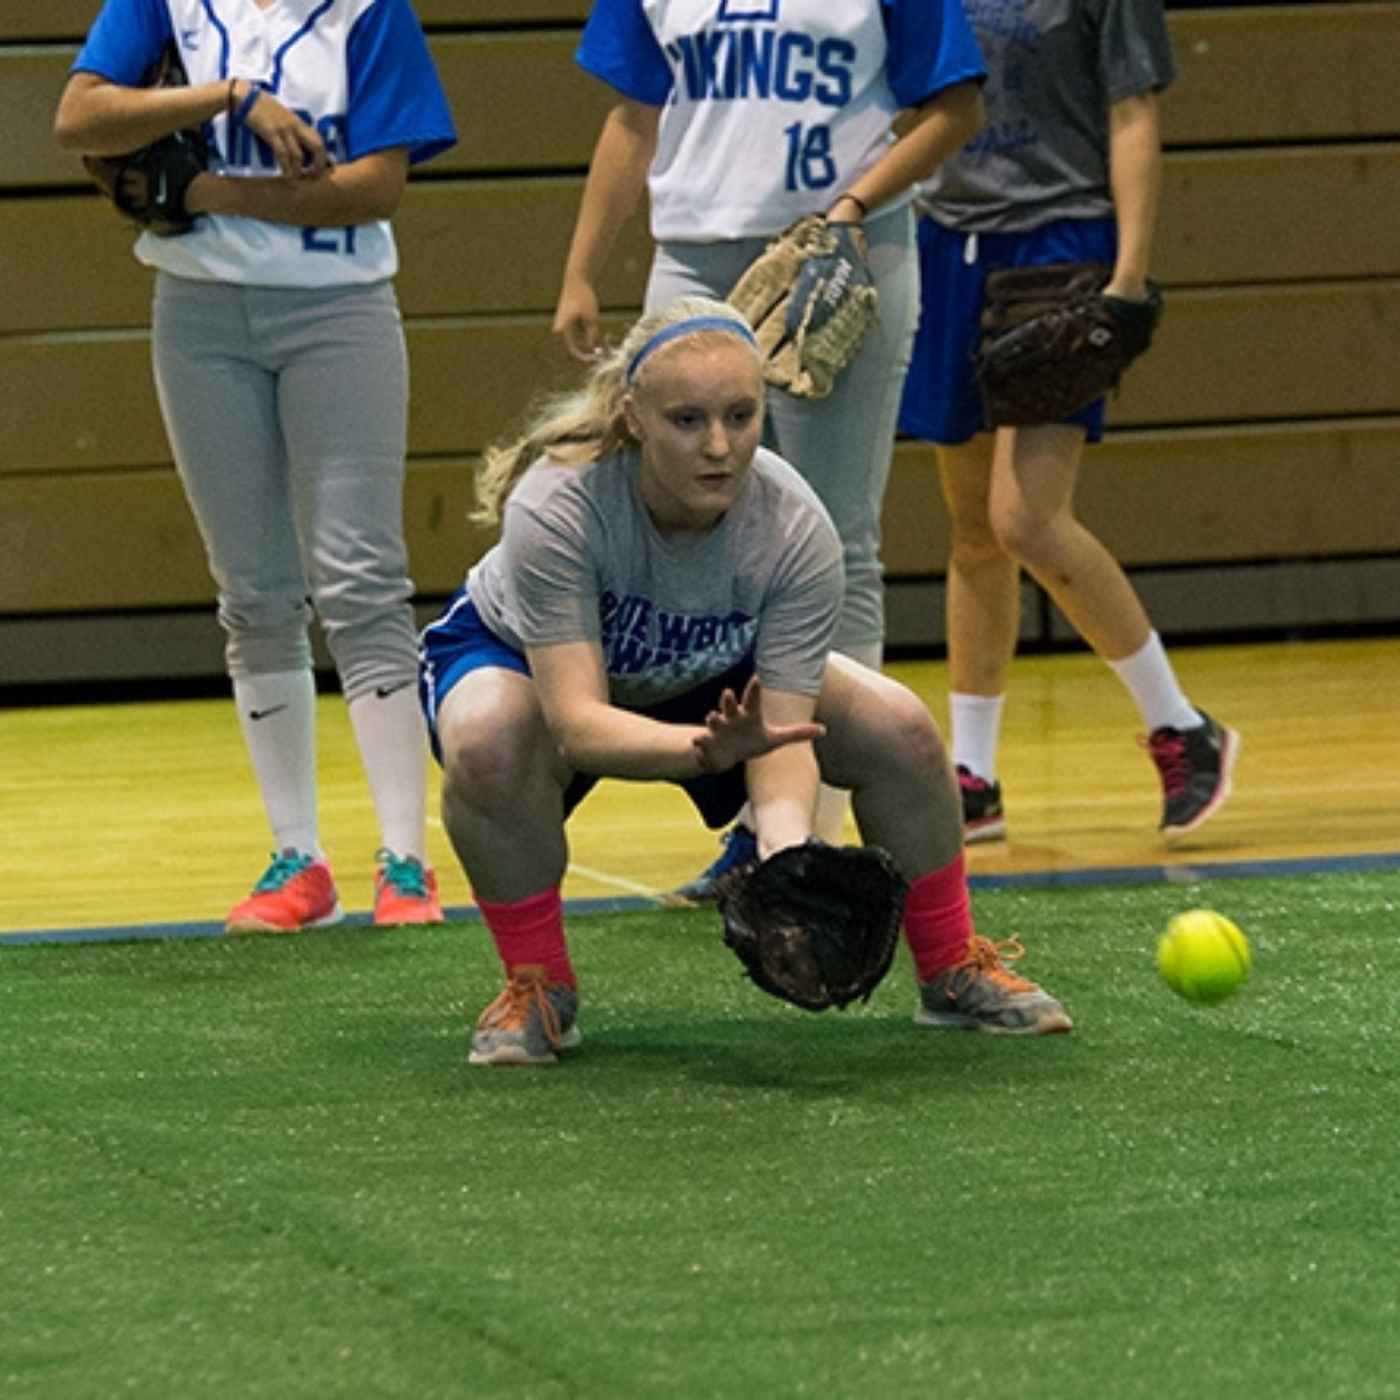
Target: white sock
x,y
393,746
278,715
975,732
1151,681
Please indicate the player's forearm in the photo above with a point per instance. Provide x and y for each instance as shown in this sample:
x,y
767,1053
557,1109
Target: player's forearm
x,y
938,129
98,118
616,181
608,742
361,192
783,788
1135,177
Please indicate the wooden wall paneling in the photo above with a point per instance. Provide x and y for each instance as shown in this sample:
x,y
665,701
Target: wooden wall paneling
x,y
31,82
1283,73
78,403
489,78
1306,72
66,265
1197,496
443,542
104,541
97,542
1185,497
1282,490
496,245
447,14
519,100
1263,432
1275,351
1279,214
27,20
1223,355
467,247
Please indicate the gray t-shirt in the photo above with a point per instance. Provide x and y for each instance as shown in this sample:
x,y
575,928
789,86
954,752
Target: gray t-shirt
x,y
1054,69
580,560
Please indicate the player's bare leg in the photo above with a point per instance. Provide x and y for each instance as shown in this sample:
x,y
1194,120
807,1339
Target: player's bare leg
x,y
881,740
1031,509
983,620
502,803
502,806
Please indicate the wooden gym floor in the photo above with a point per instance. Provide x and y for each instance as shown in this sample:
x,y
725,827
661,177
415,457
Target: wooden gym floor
x,y
142,818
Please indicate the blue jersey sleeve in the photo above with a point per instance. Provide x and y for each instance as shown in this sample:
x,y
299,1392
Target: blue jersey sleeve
x,y
125,39
932,47
619,46
396,96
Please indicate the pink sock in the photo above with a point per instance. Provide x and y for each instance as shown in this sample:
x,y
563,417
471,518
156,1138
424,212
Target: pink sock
x,y
530,932
938,919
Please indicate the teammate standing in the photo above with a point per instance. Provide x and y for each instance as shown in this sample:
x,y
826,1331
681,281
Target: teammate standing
x,y
282,376
1067,170
737,117
660,608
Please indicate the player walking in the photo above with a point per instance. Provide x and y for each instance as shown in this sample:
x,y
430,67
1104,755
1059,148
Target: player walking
x,y
1067,170
280,365
736,117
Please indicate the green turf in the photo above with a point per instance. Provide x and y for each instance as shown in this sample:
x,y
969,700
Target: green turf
x,y
262,1166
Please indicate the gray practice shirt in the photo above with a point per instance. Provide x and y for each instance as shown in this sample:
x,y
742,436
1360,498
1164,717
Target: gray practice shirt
x,y
580,560
1055,67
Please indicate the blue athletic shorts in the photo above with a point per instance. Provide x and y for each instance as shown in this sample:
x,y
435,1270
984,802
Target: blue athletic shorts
x,y
941,403
459,642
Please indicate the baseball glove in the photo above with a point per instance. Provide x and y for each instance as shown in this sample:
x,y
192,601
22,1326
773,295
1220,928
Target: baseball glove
x,y
1052,343
149,185
811,301
817,925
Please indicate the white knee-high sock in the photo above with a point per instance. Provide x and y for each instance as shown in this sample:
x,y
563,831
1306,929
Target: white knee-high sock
x,y
975,725
393,746
278,716
1151,681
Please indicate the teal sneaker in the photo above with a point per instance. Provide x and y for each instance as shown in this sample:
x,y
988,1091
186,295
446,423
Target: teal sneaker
x,y
405,891
296,891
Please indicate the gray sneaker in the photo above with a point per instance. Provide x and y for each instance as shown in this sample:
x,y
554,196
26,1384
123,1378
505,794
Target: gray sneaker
x,y
527,1023
1196,766
982,994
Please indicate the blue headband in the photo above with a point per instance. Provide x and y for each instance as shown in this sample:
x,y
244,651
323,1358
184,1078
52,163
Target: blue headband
x,y
687,327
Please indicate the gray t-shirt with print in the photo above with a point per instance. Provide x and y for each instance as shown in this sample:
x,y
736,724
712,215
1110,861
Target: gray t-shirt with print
x,y
580,560
1054,69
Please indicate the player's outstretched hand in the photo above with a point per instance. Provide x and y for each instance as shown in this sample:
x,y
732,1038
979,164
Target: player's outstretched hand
x,y
736,731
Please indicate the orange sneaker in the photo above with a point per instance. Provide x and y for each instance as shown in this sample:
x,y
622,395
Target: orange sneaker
x,y
405,891
296,891
982,994
528,1022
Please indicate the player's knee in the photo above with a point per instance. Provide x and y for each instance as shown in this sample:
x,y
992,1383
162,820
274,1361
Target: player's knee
x,y
908,741
265,635
485,767
1023,535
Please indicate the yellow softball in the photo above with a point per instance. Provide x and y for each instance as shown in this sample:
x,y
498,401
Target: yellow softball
x,y
1203,956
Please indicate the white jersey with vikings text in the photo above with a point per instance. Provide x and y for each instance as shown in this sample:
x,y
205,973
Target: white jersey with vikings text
x,y
770,107
359,71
